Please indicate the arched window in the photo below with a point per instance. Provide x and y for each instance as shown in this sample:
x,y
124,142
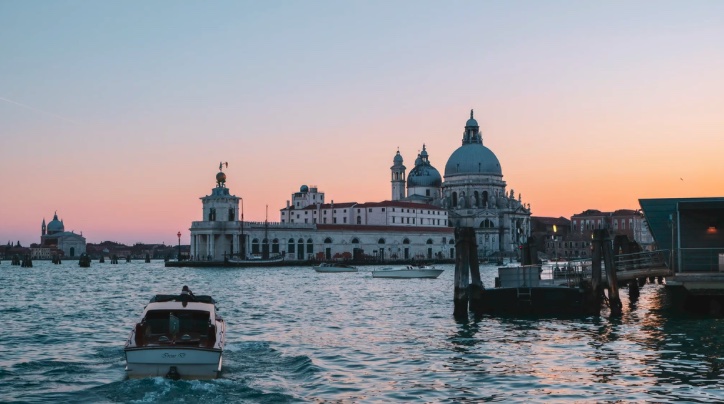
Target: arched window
x,y
406,241
487,224
359,219
275,246
355,240
327,240
255,246
310,246
485,199
476,195
381,241
290,245
429,241
454,199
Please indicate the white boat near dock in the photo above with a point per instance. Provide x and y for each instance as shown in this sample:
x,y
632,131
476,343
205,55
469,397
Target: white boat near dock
x,y
334,268
408,272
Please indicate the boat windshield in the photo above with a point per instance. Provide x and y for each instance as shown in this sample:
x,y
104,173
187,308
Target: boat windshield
x,y
180,321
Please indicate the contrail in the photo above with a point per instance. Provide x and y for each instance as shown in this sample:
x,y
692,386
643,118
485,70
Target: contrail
x,y
38,110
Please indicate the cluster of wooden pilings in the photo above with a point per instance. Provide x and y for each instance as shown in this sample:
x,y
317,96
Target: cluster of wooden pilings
x,y
55,259
27,261
469,292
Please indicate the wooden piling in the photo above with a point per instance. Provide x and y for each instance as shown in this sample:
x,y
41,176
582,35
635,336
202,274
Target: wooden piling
x,y
148,258
102,260
462,272
614,301
128,258
27,262
476,288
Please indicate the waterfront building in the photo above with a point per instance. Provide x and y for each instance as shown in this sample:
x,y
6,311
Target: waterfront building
x,y
417,222
628,222
53,235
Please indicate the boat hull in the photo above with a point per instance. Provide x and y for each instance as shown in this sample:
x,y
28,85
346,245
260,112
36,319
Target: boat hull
x,y
541,300
334,270
408,273
189,363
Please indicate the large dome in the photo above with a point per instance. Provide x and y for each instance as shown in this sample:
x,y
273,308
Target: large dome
x,y
472,158
55,225
424,175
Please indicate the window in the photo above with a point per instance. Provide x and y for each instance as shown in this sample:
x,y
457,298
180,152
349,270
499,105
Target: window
x,y
355,240
359,219
327,240
370,210
231,214
290,245
381,241
406,241
383,209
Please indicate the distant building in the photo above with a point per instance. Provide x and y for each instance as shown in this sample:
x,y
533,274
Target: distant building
x,y
54,236
417,222
628,222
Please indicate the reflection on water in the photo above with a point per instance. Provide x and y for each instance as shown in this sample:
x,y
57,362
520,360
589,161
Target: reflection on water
x,y
296,335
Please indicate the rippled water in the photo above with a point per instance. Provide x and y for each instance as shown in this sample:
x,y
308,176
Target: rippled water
x,y
298,336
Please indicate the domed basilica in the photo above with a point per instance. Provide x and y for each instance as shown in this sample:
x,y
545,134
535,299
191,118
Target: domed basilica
x,y
416,223
473,192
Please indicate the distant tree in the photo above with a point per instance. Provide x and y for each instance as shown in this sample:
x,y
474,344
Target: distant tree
x,y
18,245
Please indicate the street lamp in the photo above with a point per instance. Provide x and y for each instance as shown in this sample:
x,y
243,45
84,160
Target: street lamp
x,y
555,245
179,245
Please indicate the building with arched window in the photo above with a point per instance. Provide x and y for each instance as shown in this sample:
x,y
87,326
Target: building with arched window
x,y
53,236
417,222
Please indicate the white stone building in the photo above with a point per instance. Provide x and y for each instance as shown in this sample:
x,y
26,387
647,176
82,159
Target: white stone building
x,y
54,235
417,222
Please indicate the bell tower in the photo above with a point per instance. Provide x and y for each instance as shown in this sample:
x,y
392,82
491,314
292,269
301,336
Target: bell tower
x,y
398,178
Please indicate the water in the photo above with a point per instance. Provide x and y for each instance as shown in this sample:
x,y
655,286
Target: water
x,y
298,336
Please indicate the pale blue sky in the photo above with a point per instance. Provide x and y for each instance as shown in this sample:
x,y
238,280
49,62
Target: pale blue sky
x,y
149,95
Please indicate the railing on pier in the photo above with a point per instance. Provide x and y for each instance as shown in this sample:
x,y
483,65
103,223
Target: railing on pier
x,y
642,260
700,260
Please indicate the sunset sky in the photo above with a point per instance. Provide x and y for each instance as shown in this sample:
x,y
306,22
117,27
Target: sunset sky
x,y
117,113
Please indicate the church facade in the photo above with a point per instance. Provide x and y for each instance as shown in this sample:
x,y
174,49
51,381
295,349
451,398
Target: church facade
x,y
416,223
53,235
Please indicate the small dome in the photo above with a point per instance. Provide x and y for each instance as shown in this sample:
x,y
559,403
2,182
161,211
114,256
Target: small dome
x,y
471,122
424,175
472,158
397,159
304,189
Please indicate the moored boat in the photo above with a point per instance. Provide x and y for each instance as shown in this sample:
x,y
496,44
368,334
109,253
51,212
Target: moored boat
x,y
334,267
407,272
179,336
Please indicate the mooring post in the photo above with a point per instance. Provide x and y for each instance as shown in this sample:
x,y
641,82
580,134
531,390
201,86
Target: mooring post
x,y
614,301
596,279
462,273
476,285
148,258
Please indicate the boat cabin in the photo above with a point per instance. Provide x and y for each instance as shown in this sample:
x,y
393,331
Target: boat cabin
x,y
177,321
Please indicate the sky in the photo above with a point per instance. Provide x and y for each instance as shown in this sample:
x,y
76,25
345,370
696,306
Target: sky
x,y
116,114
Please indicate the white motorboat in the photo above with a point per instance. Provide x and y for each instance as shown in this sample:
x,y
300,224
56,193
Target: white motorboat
x,y
179,336
409,271
334,267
